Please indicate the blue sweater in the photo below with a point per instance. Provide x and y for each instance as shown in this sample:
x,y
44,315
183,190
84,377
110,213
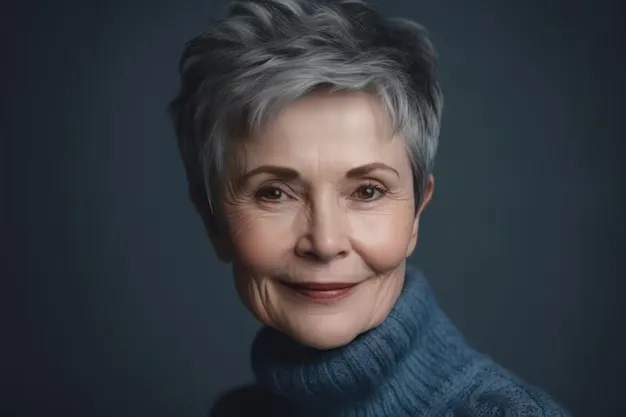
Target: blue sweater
x,y
416,363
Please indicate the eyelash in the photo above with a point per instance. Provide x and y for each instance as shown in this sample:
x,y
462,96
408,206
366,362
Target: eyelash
x,y
376,186
370,184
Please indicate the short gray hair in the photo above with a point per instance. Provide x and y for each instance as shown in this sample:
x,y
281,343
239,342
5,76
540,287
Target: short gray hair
x,y
266,53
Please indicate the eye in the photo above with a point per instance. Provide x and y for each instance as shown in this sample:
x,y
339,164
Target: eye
x,y
370,192
270,194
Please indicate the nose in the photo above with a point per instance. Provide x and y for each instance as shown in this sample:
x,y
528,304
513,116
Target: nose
x,y
325,237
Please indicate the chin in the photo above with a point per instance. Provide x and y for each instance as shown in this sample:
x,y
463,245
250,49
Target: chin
x,y
324,333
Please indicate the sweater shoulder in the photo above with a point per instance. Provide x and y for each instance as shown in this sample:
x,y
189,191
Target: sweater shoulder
x,y
246,401
490,390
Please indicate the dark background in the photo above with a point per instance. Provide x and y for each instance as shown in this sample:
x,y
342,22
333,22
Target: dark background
x,y
112,302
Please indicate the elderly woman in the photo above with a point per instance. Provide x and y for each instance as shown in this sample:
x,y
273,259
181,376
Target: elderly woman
x,y
309,130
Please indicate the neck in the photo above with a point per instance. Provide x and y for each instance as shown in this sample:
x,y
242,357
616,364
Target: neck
x,y
407,361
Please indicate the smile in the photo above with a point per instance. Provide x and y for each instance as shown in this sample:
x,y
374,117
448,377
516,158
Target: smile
x,y
321,292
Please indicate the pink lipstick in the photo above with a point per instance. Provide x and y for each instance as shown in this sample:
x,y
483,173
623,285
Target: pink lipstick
x,y
322,292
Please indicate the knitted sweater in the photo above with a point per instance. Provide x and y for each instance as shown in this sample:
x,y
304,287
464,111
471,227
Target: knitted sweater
x,y
416,363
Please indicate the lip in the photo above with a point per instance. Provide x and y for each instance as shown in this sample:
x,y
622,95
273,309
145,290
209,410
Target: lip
x,y
322,292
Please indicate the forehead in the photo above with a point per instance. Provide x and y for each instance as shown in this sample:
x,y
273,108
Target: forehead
x,y
328,129
348,113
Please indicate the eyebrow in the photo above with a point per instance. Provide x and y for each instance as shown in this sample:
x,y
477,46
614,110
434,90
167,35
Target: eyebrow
x,y
291,174
363,170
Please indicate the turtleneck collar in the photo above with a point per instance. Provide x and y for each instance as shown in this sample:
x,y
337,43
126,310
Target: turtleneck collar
x,y
398,368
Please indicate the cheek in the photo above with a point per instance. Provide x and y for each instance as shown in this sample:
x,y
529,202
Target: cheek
x,y
382,239
259,241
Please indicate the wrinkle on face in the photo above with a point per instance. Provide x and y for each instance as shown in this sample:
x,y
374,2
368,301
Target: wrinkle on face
x,y
320,229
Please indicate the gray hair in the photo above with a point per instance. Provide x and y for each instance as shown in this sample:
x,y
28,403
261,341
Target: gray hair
x,y
266,53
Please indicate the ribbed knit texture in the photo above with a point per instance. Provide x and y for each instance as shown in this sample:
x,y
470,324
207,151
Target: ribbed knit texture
x,y
415,363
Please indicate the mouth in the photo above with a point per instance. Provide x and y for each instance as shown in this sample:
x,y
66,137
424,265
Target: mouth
x,y
321,292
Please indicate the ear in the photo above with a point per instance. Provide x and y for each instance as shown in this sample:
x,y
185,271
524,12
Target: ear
x,y
218,238
429,188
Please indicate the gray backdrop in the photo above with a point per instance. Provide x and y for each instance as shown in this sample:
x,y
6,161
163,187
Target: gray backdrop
x,y
113,303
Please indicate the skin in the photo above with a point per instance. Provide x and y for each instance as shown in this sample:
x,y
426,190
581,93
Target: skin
x,y
316,224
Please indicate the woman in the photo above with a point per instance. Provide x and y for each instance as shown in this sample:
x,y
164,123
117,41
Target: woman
x,y
309,132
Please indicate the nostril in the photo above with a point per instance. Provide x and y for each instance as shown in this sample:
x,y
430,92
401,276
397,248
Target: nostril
x,y
312,256
319,256
322,248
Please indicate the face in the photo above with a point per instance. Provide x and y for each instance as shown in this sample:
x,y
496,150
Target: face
x,y
320,219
